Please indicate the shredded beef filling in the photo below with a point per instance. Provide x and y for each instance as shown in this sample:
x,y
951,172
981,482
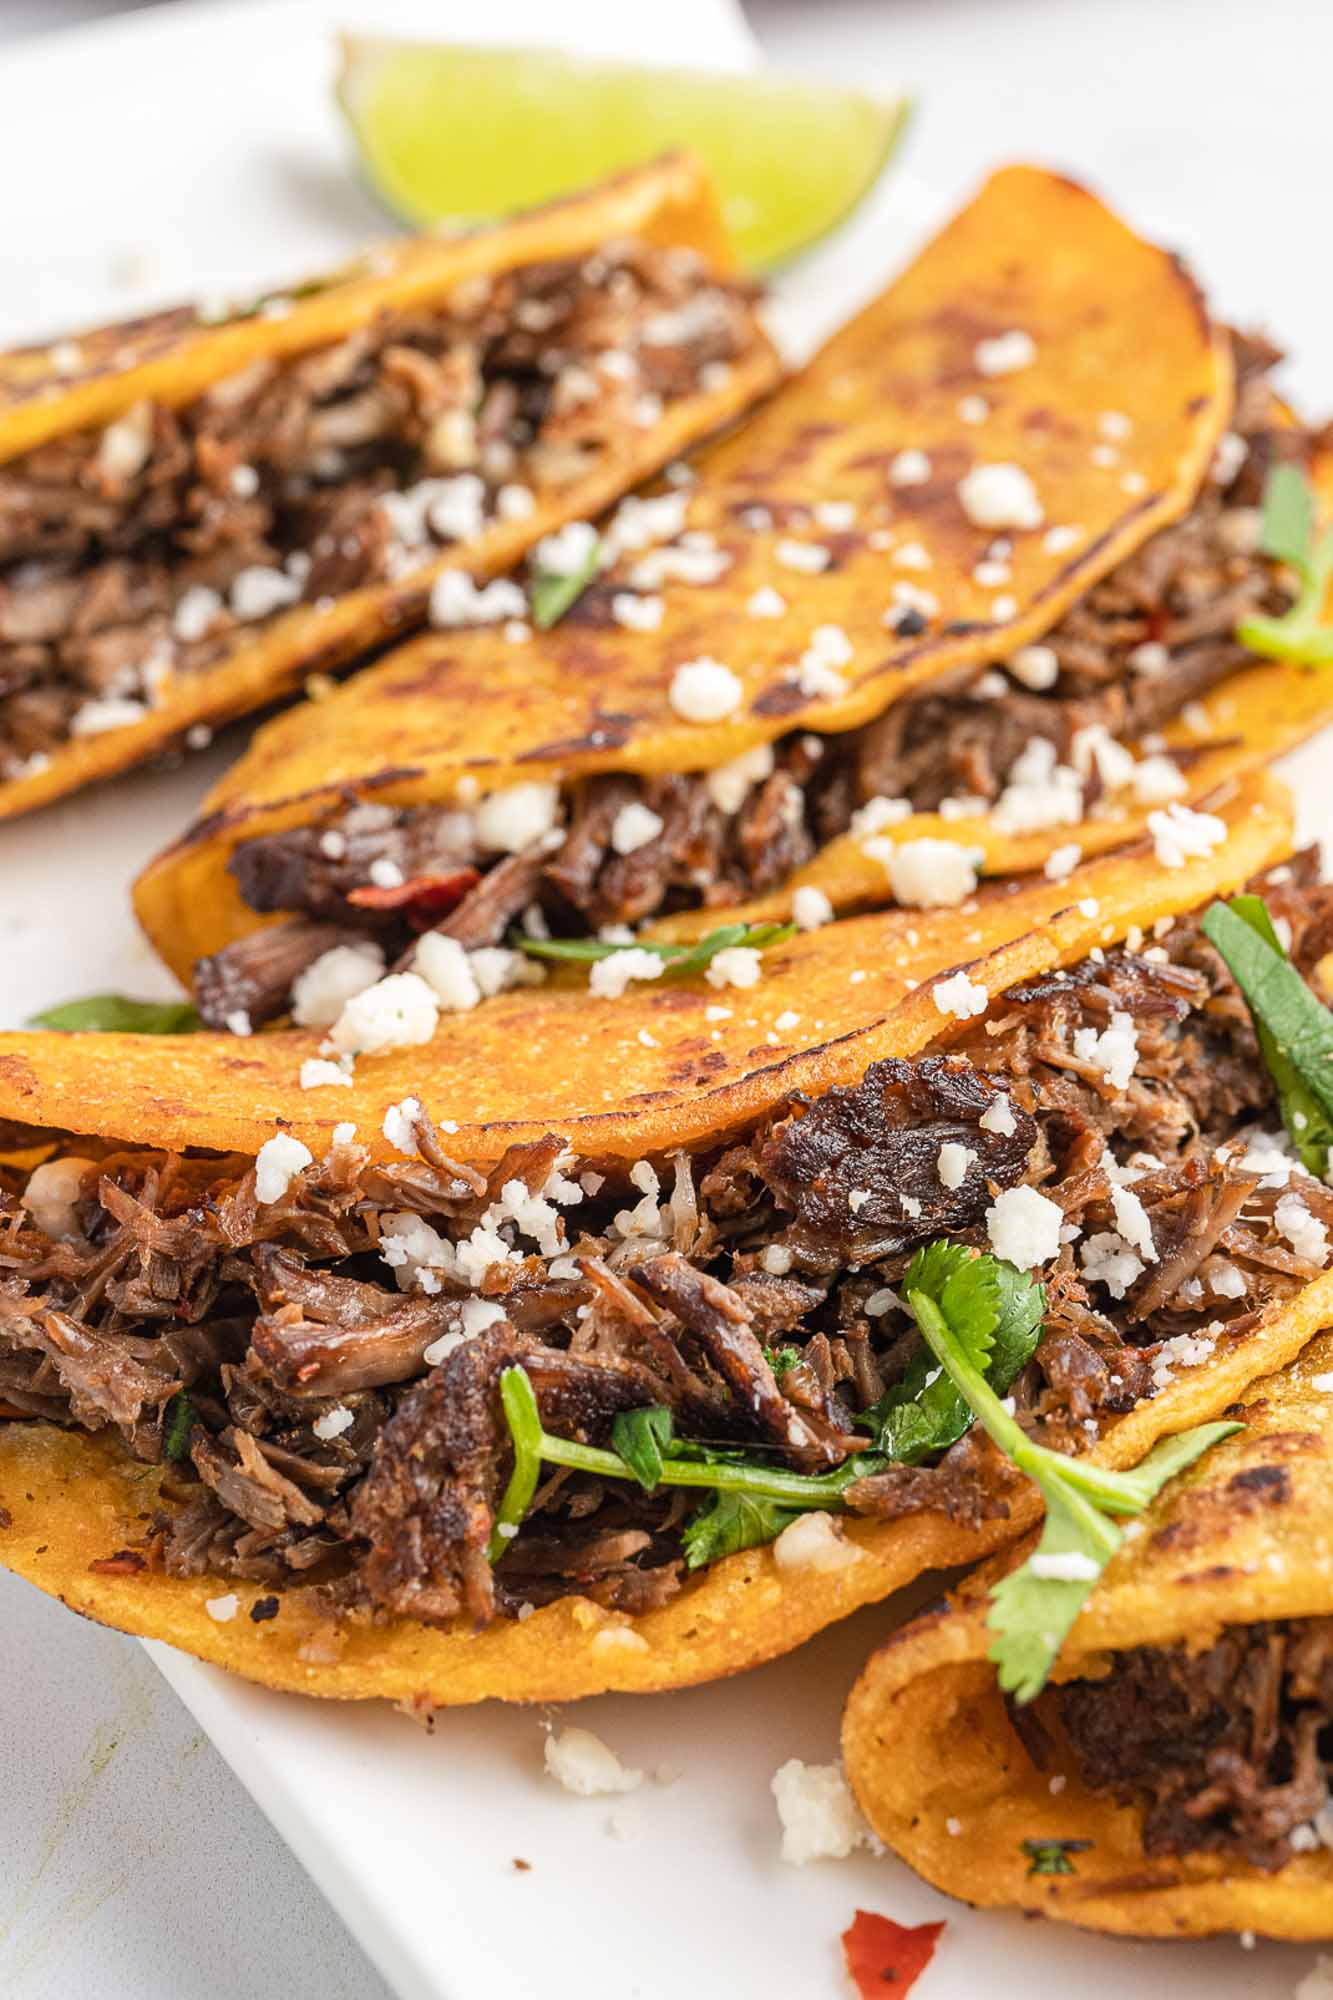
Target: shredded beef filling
x,y
133,553
1227,1751
1153,636
345,1429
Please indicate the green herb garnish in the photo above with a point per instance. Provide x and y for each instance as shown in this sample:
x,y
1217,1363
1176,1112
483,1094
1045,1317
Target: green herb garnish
x,y
956,1299
552,592
1293,1028
683,1463
1051,1857
681,959
113,1013
924,1413
641,1437
177,1423
1290,535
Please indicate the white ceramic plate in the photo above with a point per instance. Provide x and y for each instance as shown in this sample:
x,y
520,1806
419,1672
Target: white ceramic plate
x,y
198,152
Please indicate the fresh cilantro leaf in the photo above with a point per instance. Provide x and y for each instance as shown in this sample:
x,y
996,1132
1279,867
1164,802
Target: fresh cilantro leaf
x,y
1034,1607
553,592
1294,1030
113,1013
177,1423
1051,1857
1288,522
772,1495
924,1412
642,1437
680,958
1289,536
734,1521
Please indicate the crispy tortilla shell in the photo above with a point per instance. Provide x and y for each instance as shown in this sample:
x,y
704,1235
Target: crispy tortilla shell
x,y
927,1736
77,1506
1235,729
650,1069
173,357
73,1509
1032,252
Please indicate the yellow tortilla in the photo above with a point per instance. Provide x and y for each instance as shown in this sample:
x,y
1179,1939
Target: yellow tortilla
x,y
172,357
1034,253
928,1741
73,1504
648,1070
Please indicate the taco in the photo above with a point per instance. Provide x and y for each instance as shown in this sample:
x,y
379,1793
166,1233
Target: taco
x,y
783,682
583,1386
1172,1781
199,508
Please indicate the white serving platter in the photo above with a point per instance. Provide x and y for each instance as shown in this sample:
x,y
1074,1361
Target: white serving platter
x,y
195,149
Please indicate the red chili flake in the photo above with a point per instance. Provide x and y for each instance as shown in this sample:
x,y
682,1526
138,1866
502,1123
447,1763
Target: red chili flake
x,y
881,1954
123,1563
422,899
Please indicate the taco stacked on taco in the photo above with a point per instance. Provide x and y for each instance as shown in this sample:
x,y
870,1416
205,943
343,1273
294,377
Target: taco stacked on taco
x,y
1172,1779
962,599
199,508
576,1354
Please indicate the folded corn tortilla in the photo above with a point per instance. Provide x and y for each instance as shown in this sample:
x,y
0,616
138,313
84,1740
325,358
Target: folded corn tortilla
x,y
200,508
317,1514
1176,1757
983,466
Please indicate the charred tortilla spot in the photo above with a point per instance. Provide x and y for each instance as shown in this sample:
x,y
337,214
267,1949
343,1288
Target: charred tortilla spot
x,y
1268,1484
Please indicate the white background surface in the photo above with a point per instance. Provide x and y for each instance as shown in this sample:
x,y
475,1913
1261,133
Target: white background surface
x,y
131,1862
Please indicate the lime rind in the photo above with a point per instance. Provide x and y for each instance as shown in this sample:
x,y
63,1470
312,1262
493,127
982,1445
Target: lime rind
x,y
454,133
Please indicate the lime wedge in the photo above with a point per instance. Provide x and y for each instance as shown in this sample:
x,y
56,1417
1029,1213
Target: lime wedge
x,y
455,133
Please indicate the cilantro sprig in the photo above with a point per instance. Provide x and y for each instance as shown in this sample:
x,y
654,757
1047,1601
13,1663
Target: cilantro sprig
x,y
1293,1027
1290,534
553,592
115,1013
681,959
648,1452
980,1319
954,1295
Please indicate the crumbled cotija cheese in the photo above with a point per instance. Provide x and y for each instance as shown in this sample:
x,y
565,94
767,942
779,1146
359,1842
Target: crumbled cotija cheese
x,y
766,603
1000,496
813,1542
960,996
318,1074
930,874
400,1011
909,468
703,690
277,1163
738,965
730,784
1024,1227
457,600
1005,354
444,965
810,908
1179,834
820,1819
583,1764
1304,1231
634,826
513,819
1115,1049
608,977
